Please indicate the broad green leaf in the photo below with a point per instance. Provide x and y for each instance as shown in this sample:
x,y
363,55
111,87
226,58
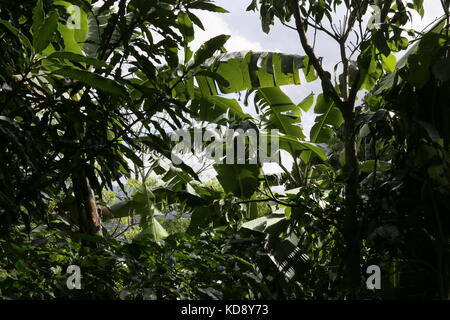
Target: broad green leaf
x,y
291,144
316,149
279,112
153,232
285,68
152,229
328,116
209,48
93,80
418,6
418,71
45,33
252,210
206,6
74,36
139,204
38,17
322,104
419,63
186,27
321,132
389,62
307,103
308,70
68,35
272,224
332,117
17,33
414,69
78,58
369,66
380,42
235,69
252,6
214,75
254,70
239,179
177,179
267,13
195,20
216,109
201,218
206,85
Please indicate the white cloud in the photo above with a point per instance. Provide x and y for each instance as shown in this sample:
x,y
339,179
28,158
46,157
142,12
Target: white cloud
x,y
215,25
433,10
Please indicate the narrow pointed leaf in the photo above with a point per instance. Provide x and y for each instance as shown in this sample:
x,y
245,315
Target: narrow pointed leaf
x,y
93,80
45,33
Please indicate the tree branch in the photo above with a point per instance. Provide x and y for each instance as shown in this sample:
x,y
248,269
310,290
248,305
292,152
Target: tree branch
x,y
323,75
267,200
345,75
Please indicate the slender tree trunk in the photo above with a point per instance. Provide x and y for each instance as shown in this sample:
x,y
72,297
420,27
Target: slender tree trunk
x,y
88,217
352,269
346,103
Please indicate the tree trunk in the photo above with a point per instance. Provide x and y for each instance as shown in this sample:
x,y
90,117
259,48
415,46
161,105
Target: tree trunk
x,y
88,217
351,232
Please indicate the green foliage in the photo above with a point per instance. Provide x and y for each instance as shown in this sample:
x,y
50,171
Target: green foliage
x,y
279,112
44,33
240,180
251,70
209,266
92,80
84,109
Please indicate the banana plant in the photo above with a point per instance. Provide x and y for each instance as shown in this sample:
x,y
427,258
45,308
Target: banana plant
x,y
279,112
140,204
264,72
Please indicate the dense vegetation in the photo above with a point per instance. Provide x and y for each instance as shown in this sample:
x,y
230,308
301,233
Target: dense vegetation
x,y
90,92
